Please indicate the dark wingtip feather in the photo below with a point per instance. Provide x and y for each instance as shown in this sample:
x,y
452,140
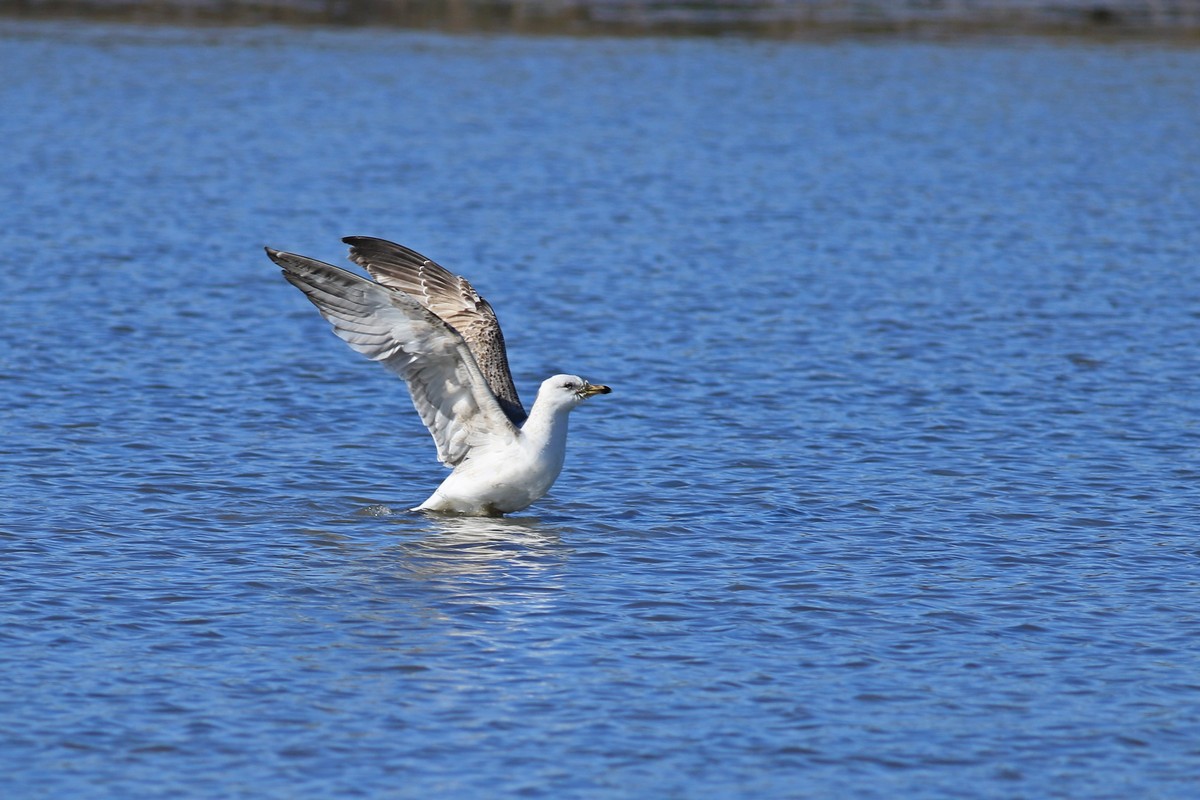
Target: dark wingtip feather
x,y
364,249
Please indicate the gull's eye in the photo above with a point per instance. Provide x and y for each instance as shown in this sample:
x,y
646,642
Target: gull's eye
x,y
570,385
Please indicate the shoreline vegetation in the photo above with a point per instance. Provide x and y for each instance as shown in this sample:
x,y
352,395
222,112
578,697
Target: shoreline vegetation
x,y
782,19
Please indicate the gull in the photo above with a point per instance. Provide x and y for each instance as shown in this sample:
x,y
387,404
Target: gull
x,y
432,328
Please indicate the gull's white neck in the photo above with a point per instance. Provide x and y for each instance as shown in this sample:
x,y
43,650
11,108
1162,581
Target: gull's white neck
x,y
545,431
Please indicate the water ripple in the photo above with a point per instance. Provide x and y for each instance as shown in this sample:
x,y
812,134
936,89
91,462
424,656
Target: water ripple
x,y
895,496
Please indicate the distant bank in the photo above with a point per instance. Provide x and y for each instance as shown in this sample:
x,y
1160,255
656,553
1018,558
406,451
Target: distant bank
x,y
1177,19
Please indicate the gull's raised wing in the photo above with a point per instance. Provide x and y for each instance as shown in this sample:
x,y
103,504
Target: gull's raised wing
x,y
453,299
448,389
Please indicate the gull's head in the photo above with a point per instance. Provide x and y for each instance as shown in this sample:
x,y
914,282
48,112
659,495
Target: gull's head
x,y
569,390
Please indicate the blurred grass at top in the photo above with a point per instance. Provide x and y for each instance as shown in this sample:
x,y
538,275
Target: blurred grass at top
x,y
1178,19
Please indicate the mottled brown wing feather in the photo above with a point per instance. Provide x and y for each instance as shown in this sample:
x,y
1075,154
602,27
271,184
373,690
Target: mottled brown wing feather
x,y
448,388
452,298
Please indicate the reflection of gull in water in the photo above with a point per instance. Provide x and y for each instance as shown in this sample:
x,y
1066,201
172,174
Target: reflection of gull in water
x,y
488,537
439,564
432,329
467,545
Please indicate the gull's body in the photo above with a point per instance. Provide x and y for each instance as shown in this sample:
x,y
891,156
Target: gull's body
x,y
432,329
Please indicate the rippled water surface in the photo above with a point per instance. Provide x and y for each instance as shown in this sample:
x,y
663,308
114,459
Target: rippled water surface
x,y
896,494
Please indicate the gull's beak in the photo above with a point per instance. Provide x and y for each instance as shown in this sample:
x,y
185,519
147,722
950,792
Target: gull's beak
x,y
593,388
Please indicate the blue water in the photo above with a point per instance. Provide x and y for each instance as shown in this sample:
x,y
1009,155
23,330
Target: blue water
x,y
897,494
